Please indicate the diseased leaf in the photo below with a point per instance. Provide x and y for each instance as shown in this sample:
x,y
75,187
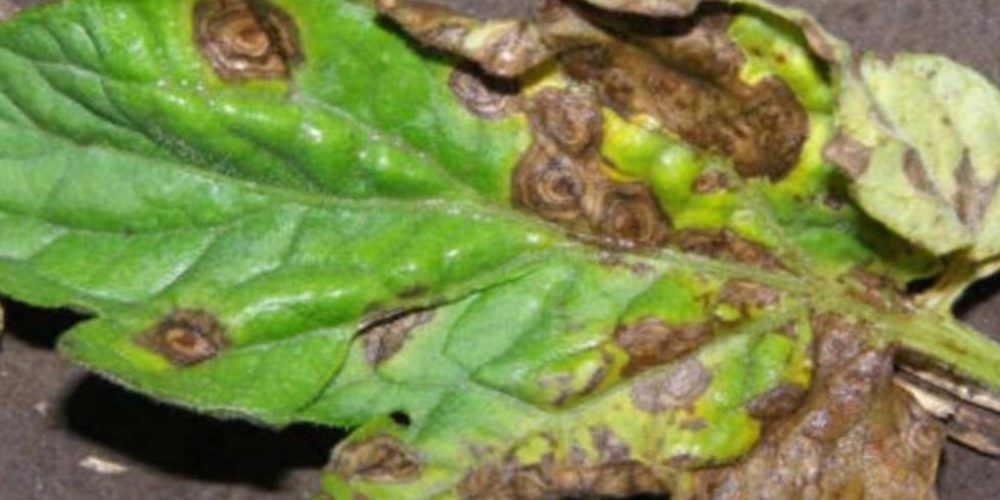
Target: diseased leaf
x,y
918,139
593,254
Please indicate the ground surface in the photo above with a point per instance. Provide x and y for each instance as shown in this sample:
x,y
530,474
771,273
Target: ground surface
x,y
53,416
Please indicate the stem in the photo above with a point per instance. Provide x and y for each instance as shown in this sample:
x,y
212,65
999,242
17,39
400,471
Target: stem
x,y
961,272
940,337
942,297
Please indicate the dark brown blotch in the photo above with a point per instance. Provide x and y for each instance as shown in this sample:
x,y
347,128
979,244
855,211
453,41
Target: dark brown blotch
x,y
186,338
841,340
610,448
849,155
560,178
551,480
381,459
628,215
677,388
916,173
777,403
505,48
385,336
651,342
245,39
973,197
709,182
877,291
685,73
553,185
573,120
726,245
484,95
748,296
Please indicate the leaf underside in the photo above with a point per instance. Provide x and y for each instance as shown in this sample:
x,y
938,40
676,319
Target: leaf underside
x,y
577,254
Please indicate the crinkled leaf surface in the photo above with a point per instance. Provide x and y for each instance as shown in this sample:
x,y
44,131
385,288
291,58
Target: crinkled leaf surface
x,y
325,232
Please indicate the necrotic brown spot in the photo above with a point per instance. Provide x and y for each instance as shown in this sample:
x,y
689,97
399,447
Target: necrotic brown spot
x,y
484,95
726,245
849,155
677,388
777,403
916,173
381,459
246,38
748,295
384,337
550,481
552,185
573,120
652,342
186,338
629,215
711,181
685,72
973,197
560,177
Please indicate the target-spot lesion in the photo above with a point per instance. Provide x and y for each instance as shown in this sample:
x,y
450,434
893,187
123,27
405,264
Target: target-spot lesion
x,y
247,39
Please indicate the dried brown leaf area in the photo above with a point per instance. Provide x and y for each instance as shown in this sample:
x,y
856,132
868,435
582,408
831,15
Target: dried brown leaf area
x,y
856,435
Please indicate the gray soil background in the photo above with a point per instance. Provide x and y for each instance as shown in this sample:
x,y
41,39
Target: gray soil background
x,y
54,416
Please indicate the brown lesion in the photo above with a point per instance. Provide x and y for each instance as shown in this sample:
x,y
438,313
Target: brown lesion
x,y
710,181
678,387
876,290
652,342
852,157
656,8
852,435
726,245
385,336
561,179
379,459
612,475
777,403
484,95
245,39
686,73
973,197
748,296
186,337
504,47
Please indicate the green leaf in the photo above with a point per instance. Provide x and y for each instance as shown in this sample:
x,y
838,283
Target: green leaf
x,y
531,283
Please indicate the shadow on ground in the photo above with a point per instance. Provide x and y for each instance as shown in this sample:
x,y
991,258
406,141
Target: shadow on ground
x,y
191,445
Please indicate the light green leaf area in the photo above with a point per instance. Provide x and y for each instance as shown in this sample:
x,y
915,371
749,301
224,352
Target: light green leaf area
x,y
352,233
927,156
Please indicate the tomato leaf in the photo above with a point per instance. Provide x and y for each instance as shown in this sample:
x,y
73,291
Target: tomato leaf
x,y
575,253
